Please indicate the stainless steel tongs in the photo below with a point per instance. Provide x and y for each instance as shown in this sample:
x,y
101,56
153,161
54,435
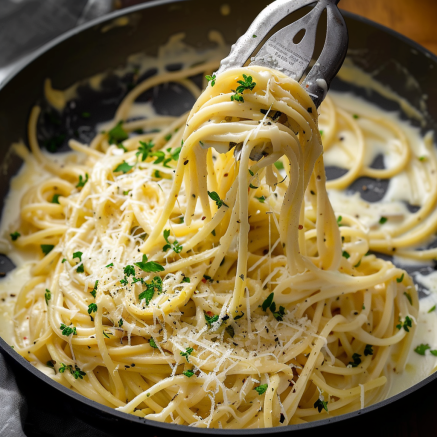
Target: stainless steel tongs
x,y
281,53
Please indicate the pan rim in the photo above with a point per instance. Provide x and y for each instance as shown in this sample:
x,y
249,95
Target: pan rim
x,y
5,348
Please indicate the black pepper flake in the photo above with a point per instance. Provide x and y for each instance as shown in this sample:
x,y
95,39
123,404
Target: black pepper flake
x,y
186,162
282,418
310,110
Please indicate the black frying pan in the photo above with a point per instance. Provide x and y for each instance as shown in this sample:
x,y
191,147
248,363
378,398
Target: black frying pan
x,y
86,51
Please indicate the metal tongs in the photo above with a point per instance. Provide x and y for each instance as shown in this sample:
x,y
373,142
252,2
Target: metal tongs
x,y
282,53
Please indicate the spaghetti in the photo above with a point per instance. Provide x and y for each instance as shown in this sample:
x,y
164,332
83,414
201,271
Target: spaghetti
x,y
182,285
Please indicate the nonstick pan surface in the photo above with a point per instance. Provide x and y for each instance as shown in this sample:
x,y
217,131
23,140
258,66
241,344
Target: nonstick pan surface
x,y
88,50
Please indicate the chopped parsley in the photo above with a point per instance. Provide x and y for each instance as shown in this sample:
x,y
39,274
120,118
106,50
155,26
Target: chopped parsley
x,y
152,343
15,236
110,265
149,267
253,187
123,167
76,372
93,293
168,137
211,79
422,158
356,360
406,324
383,220
339,220
175,246
129,271
47,248
368,350
261,199
246,84
321,405
78,255
92,308
408,296
144,150
356,116
270,304
186,279
117,134
47,296
187,353
106,334
55,198
188,373
210,319
149,292
358,264
67,330
216,198
207,278
432,309
82,181
422,348
261,389
346,254
120,323
399,280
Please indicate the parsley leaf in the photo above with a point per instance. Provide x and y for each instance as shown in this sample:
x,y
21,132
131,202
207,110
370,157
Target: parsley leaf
x,y
152,343
346,254
92,308
67,330
55,198
406,324
408,296
261,199
434,353
129,271
15,236
149,267
47,296
266,304
399,280
383,220
339,220
175,246
144,150
47,248
120,323
82,181
187,353
432,309
117,134
93,293
76,372
149,292
321,405
210,319
246,84
357,360
110,265
216,198
368,350
124,167
239,316
187,280
261,389
422,348
78,255
211,79
188,373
